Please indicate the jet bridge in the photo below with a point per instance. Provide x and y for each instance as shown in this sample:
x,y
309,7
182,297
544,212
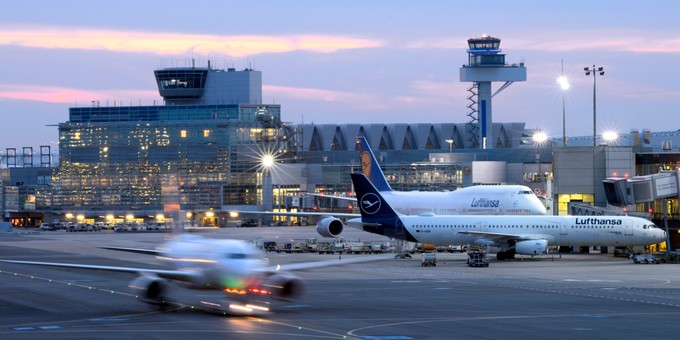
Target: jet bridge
x,y
626,191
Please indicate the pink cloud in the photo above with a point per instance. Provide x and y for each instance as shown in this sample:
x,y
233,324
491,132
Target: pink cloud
x,y
175,43
67,95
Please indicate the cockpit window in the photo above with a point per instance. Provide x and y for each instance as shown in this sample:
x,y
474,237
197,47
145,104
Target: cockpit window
x,y
526,192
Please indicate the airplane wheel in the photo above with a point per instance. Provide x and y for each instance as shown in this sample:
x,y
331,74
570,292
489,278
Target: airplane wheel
x,y
500,256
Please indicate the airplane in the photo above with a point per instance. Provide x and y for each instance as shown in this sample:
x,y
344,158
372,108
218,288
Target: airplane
x,y
525,235
480,199
235,267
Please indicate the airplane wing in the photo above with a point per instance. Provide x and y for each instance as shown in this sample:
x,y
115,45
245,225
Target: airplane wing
x,y
300,213
168,274
327,263
137,250
344,198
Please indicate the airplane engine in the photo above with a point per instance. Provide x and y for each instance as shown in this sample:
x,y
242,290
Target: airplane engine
x,y
285,286
150,288
531,247
329,226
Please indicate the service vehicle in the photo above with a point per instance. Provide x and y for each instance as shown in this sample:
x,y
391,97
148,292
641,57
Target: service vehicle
x,y
428,259
645,258
477,258
47,226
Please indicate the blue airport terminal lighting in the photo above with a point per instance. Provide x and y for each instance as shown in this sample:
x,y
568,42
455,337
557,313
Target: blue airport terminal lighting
x,y
485,65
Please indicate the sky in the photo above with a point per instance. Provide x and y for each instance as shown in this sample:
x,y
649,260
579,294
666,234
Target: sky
x,y
338,62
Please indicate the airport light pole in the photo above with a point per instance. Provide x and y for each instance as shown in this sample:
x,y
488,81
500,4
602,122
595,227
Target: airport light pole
x,y
564,85
595,70
539,138
450,141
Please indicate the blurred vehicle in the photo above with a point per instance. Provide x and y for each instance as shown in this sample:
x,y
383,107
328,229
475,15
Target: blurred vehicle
x,y
47,226
428,259
250,223
645,258
94,227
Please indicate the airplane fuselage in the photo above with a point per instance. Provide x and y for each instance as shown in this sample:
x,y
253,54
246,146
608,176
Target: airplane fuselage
x,y
478,200
557,230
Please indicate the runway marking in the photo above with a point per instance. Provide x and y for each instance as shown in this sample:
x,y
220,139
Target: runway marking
x,y
50,327
489,318
109,319
387,337
303,328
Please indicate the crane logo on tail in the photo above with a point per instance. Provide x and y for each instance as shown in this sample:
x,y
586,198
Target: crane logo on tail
x,y
366,163
370,203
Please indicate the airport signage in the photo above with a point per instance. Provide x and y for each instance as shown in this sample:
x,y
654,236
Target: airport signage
x,y
665,186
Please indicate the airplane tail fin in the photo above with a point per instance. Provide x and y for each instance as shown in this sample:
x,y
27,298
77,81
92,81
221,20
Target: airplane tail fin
x,y
377,216
370,166
373,207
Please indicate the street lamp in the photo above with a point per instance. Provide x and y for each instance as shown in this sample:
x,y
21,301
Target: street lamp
x,y
450,141
610,136
564,84
539,138
594,71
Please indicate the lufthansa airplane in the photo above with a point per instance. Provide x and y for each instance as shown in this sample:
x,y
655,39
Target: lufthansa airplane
x,y
238,269
474,200
526,235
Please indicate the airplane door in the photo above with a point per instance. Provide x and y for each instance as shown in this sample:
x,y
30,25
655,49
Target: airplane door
x,y
628,229
482,226
563,229
399,227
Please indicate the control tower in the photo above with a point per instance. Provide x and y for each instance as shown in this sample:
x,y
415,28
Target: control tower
x,y
209,86
486,64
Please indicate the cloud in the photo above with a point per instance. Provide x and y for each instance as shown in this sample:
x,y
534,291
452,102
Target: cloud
x,y
175,43
51,94
316,94
572,40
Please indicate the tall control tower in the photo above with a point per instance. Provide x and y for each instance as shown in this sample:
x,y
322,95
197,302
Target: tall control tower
x,y
485,65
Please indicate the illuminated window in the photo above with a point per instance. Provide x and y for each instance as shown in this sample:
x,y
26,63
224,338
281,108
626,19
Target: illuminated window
x,y
206,133
183,133
76,135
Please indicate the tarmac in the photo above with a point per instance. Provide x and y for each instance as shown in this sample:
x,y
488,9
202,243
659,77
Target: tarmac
x,y
546,297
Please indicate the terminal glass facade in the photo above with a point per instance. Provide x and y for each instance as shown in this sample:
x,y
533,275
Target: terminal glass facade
x,y
114,158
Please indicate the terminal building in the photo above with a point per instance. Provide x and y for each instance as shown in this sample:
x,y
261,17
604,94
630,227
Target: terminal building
x,y
193,153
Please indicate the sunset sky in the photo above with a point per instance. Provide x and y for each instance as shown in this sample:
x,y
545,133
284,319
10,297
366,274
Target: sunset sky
x,y
344,61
